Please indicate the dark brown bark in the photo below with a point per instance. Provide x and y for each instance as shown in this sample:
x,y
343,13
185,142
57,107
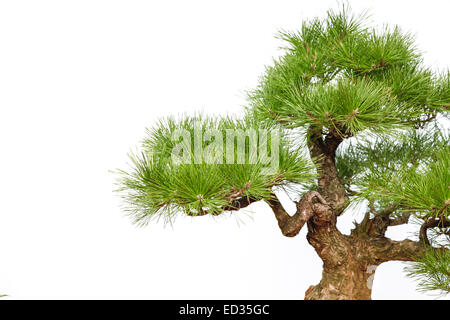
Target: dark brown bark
x,y
441,222
349,261
323,150
347,272
311,204
344,274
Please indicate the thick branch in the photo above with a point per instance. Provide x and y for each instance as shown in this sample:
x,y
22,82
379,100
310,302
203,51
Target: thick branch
x,y
381,221
306,208
377,226
384,249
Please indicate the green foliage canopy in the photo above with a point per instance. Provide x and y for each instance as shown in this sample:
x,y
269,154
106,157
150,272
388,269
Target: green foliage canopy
x,y
159,187
337,77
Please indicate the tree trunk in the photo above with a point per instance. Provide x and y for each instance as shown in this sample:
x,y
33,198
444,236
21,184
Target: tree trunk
x,y
347,282
349,261
348,270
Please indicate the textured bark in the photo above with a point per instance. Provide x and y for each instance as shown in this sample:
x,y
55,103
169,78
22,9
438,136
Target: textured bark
x,y
330,187
306,208
349,261
345,268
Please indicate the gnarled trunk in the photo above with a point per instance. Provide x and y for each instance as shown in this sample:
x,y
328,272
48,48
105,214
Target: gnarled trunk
x,y
348,271
347,268
347,282
349,261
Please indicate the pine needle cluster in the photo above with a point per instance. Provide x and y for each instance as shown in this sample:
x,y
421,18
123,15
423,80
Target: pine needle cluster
x,y
338,77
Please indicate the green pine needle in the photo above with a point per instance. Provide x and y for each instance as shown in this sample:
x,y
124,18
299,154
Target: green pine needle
x,y
338,77
432,272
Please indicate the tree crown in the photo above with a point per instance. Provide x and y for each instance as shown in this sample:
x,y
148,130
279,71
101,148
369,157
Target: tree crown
x,y
361,94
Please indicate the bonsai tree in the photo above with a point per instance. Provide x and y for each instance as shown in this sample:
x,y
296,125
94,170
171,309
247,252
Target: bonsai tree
x,y
348,115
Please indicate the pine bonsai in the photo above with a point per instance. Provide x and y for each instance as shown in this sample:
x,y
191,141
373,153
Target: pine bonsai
x,y
349,114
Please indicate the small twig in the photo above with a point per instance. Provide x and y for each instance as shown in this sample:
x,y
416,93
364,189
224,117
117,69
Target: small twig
x,y
441,222
403,219
236,193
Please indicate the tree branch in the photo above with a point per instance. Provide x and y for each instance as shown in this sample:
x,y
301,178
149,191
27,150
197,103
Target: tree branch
x,y
235,205
384,249
289,225
441,222
377,226
403,219
240,203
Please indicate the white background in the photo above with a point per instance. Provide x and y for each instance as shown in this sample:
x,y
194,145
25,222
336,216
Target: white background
x,y
79,83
